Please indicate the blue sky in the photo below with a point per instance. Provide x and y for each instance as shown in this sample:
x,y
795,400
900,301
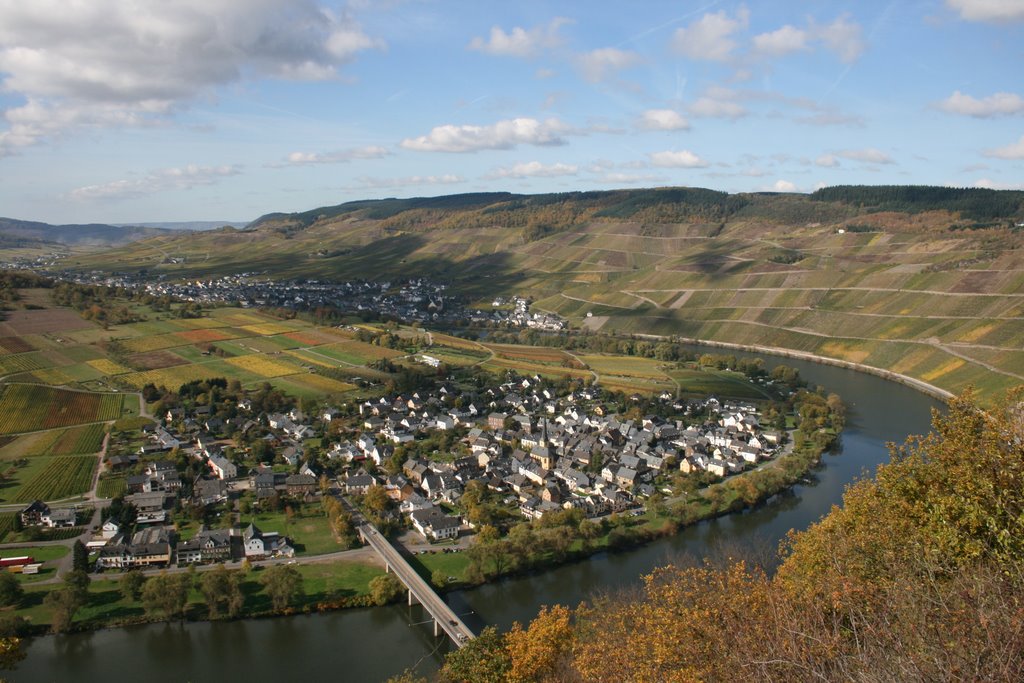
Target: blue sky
x,y
163,110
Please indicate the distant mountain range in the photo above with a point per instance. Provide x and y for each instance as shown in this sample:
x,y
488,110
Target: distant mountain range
x,y
186,225
14,232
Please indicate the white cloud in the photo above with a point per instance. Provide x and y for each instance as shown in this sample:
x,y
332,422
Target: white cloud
x,y
662,119
826,161
781,42
501,135
628,178
182,178
710,37
109,62
843,37
598,65
408,181
999,104
681,159
784,186
990,184
520,42
868,155
338,157
533,169
717,108
1014,150
988,10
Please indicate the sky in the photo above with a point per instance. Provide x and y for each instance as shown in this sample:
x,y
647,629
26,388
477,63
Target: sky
x,y
178,110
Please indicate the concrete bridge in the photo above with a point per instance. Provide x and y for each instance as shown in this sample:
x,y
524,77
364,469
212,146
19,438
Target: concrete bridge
x,y
419,590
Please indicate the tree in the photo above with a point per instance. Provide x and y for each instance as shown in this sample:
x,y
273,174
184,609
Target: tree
x,y
63,603
385,589
439,578
79,557
11,591
223,592
481,660
78,582
542,651
167,594
376,500
284,586
131,585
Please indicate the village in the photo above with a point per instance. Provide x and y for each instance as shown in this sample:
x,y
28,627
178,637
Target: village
x,y
535,450
412,301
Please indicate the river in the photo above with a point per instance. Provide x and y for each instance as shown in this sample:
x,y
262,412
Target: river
x,y
373,644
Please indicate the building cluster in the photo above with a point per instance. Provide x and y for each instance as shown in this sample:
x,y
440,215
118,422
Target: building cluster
x,y
416,300
515,312
542,452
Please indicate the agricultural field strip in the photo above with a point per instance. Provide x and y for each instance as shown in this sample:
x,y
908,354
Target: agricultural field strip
x,y
814,333
969,359
890,290
819,310
313,351
598,303
30,405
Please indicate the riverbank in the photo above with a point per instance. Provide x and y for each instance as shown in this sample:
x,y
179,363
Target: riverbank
x,y
335,582
906,380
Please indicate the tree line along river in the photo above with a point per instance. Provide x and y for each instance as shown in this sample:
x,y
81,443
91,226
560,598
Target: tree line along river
x,y
374,643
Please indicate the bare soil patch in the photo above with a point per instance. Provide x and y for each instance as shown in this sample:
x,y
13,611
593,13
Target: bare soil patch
x,y
155,360
20,323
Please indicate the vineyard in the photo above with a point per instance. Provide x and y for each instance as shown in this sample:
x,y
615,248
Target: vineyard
x,y
111,485
108,367
171,378
25,362
6,524
206,335
266,329
15,345
78,440
531,354
63,476
154,343
29,407
264,367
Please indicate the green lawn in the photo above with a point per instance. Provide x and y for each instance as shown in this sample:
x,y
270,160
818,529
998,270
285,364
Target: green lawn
x,y
308,529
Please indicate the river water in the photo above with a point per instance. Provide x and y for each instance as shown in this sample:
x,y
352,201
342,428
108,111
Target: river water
x,y
373,644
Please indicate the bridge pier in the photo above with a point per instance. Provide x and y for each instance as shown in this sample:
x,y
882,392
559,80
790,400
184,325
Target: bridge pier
x,y
413,601
437,628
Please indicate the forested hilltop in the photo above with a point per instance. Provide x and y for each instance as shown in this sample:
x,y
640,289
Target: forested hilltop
x,y
918,577
926,282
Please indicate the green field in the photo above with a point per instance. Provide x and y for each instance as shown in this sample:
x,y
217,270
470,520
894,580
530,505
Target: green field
x,y
715,383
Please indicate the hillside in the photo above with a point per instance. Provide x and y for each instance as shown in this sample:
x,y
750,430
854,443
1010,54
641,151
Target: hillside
x,y
923,281
91,234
